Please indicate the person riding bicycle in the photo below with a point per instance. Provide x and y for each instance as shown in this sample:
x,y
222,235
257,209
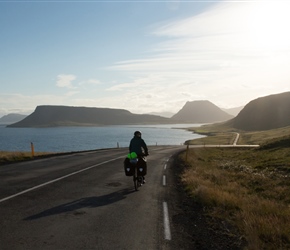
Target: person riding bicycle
x,y
138,145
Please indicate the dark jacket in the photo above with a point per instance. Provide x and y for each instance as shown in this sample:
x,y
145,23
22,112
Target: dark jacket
x,y
136,145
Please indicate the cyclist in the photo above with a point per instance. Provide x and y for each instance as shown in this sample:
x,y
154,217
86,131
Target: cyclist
x,y
138,145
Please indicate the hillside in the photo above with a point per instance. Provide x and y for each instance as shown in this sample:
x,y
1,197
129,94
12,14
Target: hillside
x,y
264,113
201,112
11,118
50,116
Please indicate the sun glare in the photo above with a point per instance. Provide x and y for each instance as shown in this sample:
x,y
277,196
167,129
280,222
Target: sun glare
x,y
268,25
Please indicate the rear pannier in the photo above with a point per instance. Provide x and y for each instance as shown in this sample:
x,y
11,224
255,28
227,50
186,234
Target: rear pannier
x,y
128,167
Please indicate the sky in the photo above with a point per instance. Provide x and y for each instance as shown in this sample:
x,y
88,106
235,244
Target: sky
x,y
144,55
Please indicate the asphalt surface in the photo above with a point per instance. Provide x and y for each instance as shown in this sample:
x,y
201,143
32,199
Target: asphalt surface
x,y
85,201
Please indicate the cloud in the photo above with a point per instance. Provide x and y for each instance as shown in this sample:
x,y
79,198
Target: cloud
x,y
71,93
94,82
65,81
215,55
138,84
28,102
91,82
212,56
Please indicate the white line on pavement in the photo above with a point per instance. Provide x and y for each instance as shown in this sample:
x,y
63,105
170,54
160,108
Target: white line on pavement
x,y
167,233
164,180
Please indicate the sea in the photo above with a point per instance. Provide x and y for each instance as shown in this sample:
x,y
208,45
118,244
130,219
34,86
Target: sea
x,y
71,139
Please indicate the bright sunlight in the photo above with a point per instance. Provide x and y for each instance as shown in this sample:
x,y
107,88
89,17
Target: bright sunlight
x,y
268,25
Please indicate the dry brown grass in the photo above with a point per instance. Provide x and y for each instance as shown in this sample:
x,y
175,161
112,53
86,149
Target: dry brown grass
x,y
220,134
7,156
220,138
239,186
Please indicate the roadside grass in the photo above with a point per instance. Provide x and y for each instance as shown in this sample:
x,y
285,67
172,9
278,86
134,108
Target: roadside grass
x,y
7,156
263,137
248,188
220,134
216,134
220,138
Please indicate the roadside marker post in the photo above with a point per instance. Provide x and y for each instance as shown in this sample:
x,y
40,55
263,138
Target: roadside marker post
x,y
32,149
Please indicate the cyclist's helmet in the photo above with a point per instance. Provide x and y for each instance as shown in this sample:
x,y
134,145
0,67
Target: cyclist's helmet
x,y
138,133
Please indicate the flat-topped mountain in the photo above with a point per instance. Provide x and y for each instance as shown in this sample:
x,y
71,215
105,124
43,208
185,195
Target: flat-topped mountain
x,y
201,112
51,116
264,113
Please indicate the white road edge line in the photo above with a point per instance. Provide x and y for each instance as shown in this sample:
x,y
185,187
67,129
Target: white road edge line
x,y
57,179
167,233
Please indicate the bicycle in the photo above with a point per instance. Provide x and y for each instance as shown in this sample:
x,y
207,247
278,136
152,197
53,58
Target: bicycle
x,y
136,166
138,170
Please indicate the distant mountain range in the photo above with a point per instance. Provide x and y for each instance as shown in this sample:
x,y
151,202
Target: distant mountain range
x,y
51,116
11,118
234,111
264,113
163,114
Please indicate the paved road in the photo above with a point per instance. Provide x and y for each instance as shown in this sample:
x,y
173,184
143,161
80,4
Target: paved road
x,y
84,201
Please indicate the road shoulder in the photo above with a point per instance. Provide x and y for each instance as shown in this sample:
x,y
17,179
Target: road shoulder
x,y
190,225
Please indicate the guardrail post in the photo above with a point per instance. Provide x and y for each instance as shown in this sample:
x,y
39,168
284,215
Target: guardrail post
x,y
32,149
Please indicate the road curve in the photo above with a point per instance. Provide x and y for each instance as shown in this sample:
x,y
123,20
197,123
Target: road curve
x,y
84,201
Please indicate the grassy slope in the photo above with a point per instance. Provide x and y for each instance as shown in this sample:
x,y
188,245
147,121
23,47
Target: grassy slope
x,y
249,188
220,134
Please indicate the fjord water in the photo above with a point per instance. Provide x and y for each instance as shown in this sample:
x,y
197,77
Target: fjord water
x,y
68,139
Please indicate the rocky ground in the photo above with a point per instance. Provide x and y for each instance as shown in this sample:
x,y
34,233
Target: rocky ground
x,y
192,228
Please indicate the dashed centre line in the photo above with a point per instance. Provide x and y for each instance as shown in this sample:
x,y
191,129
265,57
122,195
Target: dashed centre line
x,y
164,180
167,233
